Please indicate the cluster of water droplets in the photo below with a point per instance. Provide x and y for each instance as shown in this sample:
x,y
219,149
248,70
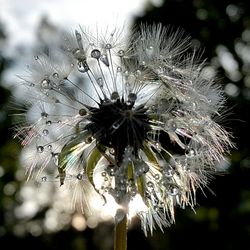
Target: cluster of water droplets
x,y
145,83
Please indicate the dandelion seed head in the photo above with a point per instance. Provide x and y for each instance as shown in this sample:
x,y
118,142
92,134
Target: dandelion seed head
x,y
132,123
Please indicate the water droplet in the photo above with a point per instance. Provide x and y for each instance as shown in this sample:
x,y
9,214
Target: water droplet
x,y
82,67
194,105
119,69
116,125
100,82
121,53
157,176
59,121
45,83
36,57
79,55
108,46
45,132
150,51
79,177
145,168
173,189
138,73
104,174
55,157
40,149
110,169
95,53
44,178
55,75
150,184
112,151
78,36
48,123
82,112
190,153
172,125
114,96
50,147
105,60
132,97
88,139
168,173
158,145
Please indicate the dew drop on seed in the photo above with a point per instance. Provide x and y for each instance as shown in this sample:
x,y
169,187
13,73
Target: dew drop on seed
x,y
100,82
121,53
88,139
132,97
116,125
79,177
95,53
82,112
55,157
190,153
45,83
150,51
138,73
82,67
45,132
172,125
145,168
173,189
105,60
168,173
114,96
108,46
158,145
44,178
77,53
112,151
55,75
157,176
40,149
150,184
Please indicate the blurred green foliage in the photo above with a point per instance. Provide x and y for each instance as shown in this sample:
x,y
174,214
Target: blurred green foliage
x,y
221,221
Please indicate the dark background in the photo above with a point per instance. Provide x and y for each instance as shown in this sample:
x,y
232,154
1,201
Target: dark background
x,y
221,221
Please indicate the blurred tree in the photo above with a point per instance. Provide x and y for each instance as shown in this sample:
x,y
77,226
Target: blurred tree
x,y
223,29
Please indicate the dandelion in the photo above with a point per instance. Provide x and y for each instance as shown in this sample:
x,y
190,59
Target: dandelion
x,y
135,119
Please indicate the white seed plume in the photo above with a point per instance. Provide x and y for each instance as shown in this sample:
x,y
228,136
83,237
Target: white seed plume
x,y
135,120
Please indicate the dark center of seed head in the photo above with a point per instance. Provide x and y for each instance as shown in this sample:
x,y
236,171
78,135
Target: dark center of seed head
x,y
117,124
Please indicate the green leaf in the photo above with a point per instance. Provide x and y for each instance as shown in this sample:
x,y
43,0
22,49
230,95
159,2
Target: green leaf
x,y
92,161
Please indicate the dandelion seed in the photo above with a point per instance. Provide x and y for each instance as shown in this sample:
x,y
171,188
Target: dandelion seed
x,y
139,128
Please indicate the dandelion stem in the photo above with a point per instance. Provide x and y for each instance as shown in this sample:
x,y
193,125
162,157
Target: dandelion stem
x,y
120,240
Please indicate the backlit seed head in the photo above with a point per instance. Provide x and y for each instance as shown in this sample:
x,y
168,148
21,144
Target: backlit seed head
x,y
135,124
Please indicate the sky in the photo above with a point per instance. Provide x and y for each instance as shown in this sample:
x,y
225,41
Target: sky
x,y
21,18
